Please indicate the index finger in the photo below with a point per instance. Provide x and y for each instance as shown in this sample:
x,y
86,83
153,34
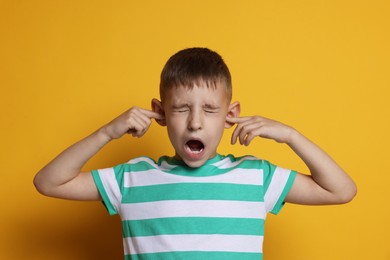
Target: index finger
x,y
236,120
152,114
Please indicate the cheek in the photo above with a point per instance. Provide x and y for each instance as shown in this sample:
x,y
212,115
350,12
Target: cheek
x,y
217,125
220,120
175,125
174,121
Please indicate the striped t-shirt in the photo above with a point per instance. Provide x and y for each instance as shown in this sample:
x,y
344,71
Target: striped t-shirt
x,y
172,211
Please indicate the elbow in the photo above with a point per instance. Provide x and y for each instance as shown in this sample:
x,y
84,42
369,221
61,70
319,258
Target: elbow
x,y
348,194
40,185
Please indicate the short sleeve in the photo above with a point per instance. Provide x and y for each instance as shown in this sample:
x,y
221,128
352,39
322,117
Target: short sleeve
x,y
108,182
277,183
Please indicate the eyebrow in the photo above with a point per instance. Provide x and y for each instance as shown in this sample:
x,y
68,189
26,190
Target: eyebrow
x,y
206,106
179,106
210,106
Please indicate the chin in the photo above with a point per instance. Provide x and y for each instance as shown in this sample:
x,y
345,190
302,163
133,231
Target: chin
x,y
195,164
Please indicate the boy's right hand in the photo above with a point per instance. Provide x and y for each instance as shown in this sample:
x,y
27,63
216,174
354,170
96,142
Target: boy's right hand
x,y
135,121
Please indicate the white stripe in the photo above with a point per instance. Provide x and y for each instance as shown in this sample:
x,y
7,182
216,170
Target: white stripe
x,y
193,208
164,164
111,186
276,187
143,159
226,163
222,164
169,243
154,177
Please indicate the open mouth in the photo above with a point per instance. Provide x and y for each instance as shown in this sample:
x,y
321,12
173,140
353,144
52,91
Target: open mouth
x,y
195,146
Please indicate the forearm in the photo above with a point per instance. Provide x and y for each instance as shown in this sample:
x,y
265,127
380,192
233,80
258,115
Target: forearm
x,y
67,165
62,177
324,170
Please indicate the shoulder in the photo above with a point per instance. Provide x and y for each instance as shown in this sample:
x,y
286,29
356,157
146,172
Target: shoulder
x,y
136,164
245,161
142,160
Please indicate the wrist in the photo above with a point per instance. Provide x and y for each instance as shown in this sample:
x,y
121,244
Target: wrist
x,y
293,136
103,136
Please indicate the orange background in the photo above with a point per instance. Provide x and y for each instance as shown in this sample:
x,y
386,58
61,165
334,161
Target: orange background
x,y
68,67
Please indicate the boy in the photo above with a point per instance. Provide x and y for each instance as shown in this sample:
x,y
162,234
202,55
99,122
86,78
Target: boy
x,y
197,204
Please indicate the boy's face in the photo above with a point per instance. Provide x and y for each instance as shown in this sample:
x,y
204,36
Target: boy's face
x,y
195,120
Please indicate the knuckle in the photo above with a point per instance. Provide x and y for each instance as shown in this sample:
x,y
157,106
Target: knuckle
x,y
245,128
134,109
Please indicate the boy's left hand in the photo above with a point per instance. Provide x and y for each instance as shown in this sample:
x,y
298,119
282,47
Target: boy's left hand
x,y
252,126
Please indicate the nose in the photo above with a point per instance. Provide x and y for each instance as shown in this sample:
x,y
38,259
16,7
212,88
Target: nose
x,y
195,121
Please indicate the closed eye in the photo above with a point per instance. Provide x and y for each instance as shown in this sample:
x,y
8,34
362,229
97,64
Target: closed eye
x,y
210,111
181,110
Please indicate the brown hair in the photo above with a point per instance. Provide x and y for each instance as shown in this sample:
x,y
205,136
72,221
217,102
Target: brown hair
x,y
194,66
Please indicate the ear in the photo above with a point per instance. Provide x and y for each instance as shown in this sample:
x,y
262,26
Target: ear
x,y
158,108
233,111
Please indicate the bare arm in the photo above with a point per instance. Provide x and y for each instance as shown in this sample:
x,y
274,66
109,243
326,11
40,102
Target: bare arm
x,y
62,177
327,184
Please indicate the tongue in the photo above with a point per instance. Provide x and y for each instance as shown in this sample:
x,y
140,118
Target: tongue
x,y
195,145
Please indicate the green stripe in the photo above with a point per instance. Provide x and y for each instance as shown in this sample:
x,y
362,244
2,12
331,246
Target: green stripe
x,y
193,225
118,171
269,170
195,255
193,191
211,170
134,167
